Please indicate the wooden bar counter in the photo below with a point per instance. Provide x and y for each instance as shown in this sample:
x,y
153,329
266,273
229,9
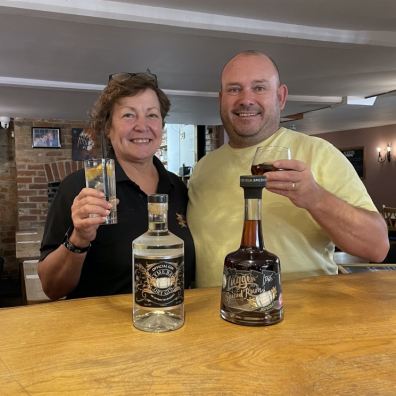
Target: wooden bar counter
x,y
338,338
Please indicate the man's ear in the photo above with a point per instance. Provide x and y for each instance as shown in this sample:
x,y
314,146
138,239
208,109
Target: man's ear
x,y
282,95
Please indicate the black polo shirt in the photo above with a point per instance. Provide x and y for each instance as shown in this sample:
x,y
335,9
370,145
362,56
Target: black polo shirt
x,y
107,268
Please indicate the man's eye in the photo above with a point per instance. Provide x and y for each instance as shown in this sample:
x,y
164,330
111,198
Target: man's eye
x,y
259,89
233,90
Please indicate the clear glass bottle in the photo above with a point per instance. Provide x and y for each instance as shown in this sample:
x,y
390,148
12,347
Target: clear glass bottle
x,y
251,291
158,272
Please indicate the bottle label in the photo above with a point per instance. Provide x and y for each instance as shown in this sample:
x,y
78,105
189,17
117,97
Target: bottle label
x,y
258,291
159,283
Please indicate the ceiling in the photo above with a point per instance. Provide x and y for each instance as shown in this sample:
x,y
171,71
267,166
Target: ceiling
x,y
55,56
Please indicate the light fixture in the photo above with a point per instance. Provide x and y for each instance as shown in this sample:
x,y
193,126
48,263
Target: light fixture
x,y
386,156
5,122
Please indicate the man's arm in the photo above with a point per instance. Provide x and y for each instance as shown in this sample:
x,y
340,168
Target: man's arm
x,y
357,231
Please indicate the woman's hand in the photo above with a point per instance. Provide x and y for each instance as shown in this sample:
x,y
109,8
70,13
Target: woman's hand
x,y
88,212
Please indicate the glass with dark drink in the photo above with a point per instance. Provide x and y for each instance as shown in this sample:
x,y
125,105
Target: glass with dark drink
x,y
265,156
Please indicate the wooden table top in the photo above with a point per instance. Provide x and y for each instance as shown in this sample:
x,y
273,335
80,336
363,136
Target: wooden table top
x,y
338,338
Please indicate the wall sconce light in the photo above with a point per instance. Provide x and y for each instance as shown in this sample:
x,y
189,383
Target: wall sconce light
x,y
386,156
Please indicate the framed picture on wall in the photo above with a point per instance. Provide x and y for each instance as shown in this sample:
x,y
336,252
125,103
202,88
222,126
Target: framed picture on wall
x,y
82,144
356,157
43,137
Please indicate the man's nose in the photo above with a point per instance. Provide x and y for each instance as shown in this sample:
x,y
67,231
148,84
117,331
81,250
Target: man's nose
x,y
246,97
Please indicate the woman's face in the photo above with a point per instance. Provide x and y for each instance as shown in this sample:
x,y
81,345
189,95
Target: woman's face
x,y
136,127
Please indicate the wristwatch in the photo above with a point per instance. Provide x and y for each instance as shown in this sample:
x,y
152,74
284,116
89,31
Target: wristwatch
x,y
71,247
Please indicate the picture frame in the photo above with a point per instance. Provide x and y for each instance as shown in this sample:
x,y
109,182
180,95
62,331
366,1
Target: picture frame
x,y
83,144
45,137
355,155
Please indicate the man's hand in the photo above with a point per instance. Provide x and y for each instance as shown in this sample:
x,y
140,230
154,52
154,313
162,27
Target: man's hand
x,y
296,182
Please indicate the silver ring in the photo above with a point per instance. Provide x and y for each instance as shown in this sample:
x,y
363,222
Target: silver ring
x,y
293,186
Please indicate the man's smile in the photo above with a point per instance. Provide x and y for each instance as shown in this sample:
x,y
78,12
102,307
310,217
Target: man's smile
x,y
246,114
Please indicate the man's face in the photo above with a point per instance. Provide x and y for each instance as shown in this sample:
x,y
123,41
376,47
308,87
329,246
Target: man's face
x,y
251,99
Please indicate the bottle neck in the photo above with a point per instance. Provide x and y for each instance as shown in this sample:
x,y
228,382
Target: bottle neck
x,y
252,235
158,219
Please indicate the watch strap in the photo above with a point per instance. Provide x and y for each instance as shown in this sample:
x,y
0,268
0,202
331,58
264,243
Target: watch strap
x,y
71,247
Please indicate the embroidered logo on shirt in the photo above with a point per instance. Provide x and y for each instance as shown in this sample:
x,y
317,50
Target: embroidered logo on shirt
x,y
181,219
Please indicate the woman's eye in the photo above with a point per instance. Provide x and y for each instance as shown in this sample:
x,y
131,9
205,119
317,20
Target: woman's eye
x,y
153,115
128,115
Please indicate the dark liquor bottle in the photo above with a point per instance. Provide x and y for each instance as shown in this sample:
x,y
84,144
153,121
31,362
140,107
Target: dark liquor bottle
x,y
251,292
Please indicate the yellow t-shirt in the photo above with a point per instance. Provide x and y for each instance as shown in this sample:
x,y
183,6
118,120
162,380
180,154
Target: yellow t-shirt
x,y
216,208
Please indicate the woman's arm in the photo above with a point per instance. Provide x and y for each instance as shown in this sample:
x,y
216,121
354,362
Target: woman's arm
x,y
60,270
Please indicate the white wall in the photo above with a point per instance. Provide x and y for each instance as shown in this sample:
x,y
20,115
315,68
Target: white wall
x,y
181,142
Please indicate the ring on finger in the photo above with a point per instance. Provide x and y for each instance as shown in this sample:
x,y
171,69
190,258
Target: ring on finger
x,y
293,186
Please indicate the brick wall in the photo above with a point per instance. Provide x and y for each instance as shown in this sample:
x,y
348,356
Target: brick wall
x,y
8,212
24,176
36,167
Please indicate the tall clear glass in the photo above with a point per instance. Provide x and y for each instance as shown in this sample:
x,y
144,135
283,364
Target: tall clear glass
x,y
100,175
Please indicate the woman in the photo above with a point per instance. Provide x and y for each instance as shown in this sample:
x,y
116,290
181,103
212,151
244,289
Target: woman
x,y
79,257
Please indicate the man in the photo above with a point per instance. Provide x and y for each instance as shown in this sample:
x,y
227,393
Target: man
x,y
316,203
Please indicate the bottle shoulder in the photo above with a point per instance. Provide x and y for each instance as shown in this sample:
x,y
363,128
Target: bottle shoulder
x,y
158,238
252,258
253,251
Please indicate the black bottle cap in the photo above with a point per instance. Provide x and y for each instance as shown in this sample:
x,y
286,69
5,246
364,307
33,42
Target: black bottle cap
x,y
253,181
157,198
253,186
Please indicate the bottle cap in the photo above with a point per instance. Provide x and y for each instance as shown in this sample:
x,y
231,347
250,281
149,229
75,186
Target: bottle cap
x,y
253,181
253,186
158,198
157,204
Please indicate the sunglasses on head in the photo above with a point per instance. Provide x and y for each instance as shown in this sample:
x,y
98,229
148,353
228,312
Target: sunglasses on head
x,y
121,77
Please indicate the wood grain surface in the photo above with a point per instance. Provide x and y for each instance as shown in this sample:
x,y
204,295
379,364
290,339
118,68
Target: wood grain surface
x,y
338,338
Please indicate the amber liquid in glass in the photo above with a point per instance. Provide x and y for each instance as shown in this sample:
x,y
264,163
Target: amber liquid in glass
x,y
261,169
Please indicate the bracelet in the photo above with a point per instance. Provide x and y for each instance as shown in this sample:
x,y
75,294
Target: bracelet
x,y
71,247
